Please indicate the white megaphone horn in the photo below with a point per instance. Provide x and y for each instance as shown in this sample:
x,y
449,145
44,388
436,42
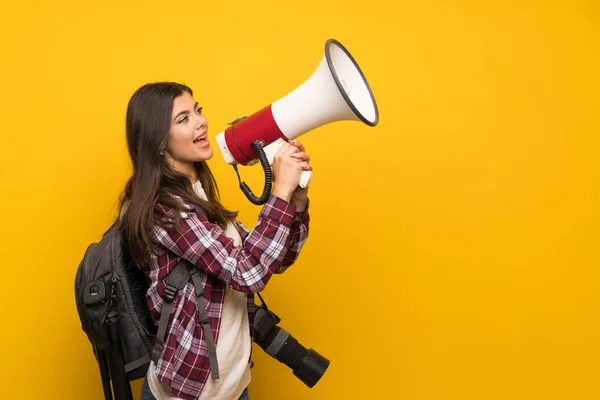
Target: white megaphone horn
x,y
336,91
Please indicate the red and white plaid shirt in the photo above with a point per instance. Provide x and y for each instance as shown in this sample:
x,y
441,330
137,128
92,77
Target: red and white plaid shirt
x,y
271,247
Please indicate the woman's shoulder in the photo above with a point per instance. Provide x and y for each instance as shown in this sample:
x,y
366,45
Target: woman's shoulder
x,y
169,206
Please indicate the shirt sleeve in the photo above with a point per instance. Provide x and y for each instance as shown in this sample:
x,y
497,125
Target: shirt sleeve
x,y
296,239
247,268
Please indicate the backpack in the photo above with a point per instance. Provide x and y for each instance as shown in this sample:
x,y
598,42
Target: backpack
x,y
110,297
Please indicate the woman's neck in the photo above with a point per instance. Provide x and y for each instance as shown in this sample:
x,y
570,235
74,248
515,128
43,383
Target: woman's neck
x,y
188,169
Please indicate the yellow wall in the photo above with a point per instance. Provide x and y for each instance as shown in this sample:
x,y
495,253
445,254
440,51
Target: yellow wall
x,y
454,247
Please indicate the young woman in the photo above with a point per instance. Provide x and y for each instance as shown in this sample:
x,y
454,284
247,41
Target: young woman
x,y
170,210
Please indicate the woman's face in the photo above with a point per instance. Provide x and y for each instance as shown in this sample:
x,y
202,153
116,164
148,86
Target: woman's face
x,y
188,136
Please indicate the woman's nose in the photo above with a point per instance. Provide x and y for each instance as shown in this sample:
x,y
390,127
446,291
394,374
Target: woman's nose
x,y
200,122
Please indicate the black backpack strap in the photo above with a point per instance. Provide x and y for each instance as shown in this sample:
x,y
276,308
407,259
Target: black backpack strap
x,y
116,360
102,357
137,363
210,340
177,278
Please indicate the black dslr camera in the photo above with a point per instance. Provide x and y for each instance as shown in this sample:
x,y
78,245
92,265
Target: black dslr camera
x,y
307,365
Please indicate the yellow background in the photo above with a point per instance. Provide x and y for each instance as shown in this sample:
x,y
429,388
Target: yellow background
x,y
454,247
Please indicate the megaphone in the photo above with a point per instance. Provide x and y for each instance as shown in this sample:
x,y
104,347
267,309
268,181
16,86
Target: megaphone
x,y
336,91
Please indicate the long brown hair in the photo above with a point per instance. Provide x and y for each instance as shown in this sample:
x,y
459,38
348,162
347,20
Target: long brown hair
x,y
153,181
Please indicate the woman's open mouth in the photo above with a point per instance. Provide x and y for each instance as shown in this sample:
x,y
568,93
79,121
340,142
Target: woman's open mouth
x,y
201,141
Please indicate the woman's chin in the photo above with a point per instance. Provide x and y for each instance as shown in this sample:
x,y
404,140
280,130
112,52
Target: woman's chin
x,y
205,154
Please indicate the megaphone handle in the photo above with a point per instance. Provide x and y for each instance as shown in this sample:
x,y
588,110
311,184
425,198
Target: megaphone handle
x,y
270,151
305,178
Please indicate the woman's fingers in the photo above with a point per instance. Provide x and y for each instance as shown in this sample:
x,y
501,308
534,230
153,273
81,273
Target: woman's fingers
x,y
292,149
298,145
286,150
300,155
306,166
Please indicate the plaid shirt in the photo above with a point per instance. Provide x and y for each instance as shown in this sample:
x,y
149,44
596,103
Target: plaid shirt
x,y
271,247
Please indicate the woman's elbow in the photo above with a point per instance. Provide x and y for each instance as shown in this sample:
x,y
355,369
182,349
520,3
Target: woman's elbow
x,y
246,286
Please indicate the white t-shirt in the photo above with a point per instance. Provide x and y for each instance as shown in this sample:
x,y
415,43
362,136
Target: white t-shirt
x,y
233,346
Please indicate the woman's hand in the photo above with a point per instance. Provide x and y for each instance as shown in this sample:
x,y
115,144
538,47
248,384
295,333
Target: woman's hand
x,y
300,194
288,163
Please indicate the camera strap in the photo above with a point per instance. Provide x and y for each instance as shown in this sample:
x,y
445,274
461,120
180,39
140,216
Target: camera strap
x,y
262,301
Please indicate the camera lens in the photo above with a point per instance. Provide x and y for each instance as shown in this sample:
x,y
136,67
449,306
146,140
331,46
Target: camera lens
x,y
312,368
307,365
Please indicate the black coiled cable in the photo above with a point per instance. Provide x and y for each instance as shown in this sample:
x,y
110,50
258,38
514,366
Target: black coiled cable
x,y
262,157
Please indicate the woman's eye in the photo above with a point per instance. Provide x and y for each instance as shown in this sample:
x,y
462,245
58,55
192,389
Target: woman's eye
x,y
199,110
183,119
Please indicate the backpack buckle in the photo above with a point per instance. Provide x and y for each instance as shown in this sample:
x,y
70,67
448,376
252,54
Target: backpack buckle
x,y
170,292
